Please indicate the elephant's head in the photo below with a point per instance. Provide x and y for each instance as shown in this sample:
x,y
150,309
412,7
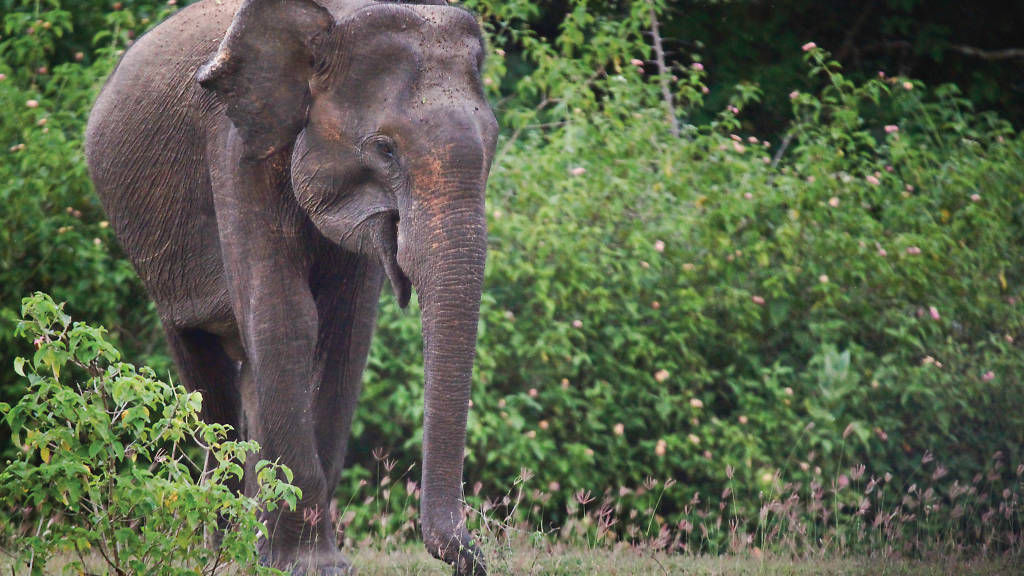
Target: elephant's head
x,y
379,112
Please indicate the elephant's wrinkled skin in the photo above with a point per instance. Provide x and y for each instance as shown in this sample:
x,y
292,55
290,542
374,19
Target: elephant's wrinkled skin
x,y
266,164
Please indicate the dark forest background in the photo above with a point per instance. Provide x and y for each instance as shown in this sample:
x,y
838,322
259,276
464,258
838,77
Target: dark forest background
x,y
979,46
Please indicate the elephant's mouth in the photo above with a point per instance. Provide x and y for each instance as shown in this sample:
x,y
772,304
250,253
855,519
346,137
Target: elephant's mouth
x,y
387,255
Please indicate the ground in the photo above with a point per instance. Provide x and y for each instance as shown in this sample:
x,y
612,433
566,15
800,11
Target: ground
x,y
411,561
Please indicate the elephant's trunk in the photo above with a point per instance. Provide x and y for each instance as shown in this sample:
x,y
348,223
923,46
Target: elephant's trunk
x,y
444,252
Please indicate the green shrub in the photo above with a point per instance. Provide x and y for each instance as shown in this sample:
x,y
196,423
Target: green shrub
x,y
107,471
677,307
53,234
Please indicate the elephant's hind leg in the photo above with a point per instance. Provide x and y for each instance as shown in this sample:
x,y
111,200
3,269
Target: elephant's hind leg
x,y
204,366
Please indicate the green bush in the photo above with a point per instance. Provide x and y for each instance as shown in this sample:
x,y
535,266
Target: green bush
x,y
53,234
107,470
678,307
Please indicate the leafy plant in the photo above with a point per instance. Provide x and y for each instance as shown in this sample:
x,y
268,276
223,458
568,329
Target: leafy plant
x,y
108,468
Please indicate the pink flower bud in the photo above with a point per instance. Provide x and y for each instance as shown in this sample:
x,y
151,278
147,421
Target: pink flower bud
x,y
793,95
32,103
757,300
872,179
578,171
891,128
637,62
988,376
697,66
808,46
934,312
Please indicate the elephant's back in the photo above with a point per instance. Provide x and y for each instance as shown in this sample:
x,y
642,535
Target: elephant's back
x,y
152,89
145,146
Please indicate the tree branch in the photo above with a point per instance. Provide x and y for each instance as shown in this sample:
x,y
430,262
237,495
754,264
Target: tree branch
x,y
663,75
1006,54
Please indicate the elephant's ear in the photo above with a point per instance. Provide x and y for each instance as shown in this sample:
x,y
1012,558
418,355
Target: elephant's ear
x,y
262,69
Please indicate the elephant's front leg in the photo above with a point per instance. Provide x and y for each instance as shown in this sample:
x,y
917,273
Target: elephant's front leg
x,y
280,332
267,261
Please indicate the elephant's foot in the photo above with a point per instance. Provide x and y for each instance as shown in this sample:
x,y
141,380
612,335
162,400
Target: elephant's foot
x,y
311,552
306,562
459,550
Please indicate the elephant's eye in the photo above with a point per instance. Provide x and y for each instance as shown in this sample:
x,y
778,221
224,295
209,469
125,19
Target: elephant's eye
x,y
386,149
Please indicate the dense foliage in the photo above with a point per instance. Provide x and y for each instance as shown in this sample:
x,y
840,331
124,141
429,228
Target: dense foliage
x,y
708,307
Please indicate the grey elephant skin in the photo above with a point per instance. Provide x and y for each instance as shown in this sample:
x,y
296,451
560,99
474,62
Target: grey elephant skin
x,y
267,166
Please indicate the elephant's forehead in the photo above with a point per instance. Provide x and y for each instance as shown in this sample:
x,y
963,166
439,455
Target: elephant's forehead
x,y
416,60
427,31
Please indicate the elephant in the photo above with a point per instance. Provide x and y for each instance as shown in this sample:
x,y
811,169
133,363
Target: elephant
x,y
266,166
